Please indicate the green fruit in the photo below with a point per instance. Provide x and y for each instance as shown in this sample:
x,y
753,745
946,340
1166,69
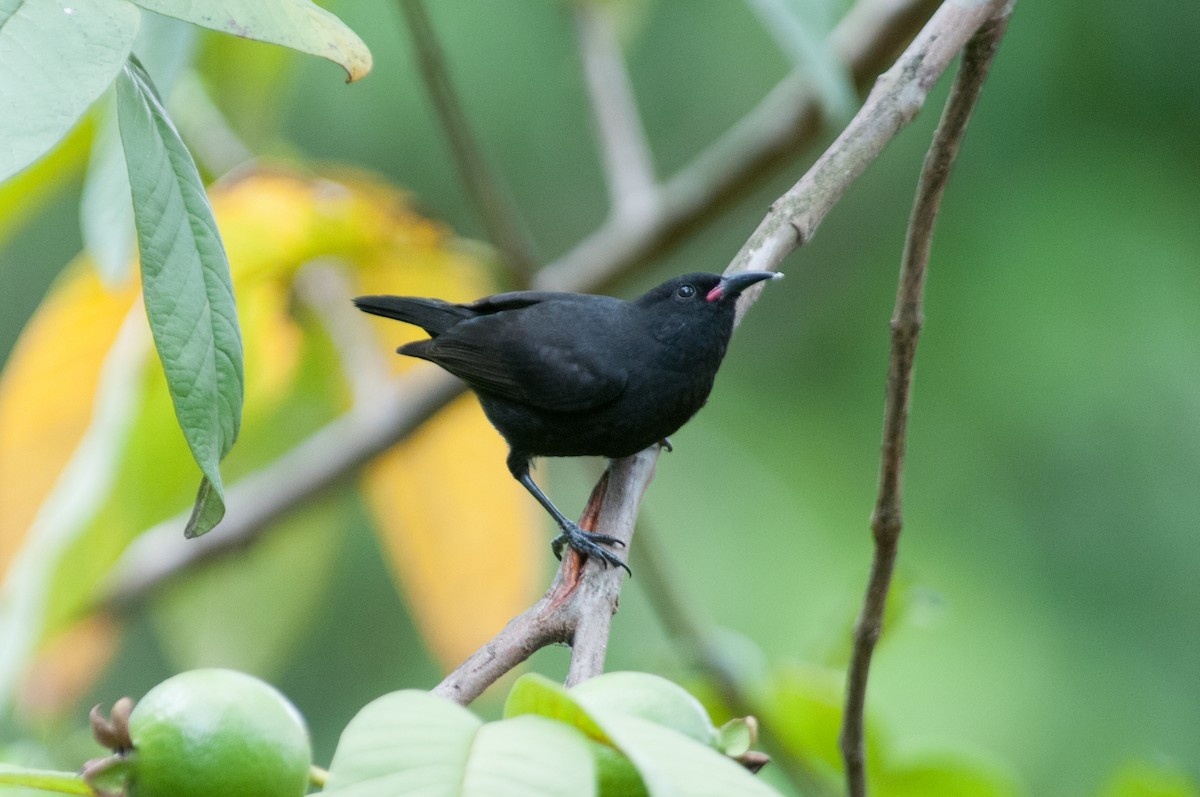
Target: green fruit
x,y
217,733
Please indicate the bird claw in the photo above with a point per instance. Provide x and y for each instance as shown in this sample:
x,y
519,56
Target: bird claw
x,y
587,543
665,443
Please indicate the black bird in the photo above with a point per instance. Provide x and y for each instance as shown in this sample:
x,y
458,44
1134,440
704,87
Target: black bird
x,y
569,374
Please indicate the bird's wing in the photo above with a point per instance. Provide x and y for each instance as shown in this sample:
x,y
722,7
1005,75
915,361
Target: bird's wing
x,y
514,300
533,356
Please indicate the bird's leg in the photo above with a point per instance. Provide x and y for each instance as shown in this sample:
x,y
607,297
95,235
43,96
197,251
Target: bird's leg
x,y
585,542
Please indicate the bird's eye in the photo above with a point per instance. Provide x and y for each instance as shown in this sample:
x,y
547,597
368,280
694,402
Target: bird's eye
x,y
686,291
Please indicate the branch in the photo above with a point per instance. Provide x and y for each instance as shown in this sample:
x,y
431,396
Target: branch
x,y
505,228
624,150
578,607
868,33
886,521
785,122
329,456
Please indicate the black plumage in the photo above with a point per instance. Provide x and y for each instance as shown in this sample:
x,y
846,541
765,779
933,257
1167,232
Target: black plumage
x,y
568,374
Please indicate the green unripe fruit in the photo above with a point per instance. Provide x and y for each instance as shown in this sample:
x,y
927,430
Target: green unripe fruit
x,y
209,733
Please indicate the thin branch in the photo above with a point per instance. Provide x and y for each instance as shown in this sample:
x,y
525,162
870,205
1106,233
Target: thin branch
x,y
886,521
895,100
503,223
871,29
331,455
786,121
625,152
579,605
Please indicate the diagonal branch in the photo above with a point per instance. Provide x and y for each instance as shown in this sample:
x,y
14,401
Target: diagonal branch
x,y
505,228
578,607
886,521
786,121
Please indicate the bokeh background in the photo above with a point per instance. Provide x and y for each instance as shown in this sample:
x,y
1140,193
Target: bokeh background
x,y
1048,569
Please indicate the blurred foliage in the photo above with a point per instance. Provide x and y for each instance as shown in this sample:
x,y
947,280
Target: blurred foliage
x,y
1049,554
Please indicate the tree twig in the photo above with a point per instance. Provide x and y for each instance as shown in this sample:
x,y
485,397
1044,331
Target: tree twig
x,y
504,226
624,150
784,122
870,31
886,520
578,607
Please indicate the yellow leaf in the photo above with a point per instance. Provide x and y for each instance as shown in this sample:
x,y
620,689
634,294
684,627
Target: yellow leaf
x,y
46,393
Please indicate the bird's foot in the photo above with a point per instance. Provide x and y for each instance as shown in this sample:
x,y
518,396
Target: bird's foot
x,y
666,443
588,543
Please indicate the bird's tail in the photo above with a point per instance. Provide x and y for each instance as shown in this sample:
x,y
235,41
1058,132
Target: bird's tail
x,y
432,315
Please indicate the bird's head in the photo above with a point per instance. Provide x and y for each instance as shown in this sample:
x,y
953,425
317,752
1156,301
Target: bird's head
x,y
697,310
700,291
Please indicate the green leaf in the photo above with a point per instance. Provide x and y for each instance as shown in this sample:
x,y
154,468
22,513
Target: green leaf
x,y
186,286
411,742
296,24
669,762
59,782
536,694
55,60
163,46
651,697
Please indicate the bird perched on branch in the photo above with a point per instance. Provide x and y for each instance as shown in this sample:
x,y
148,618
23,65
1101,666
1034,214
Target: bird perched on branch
x,y
569,374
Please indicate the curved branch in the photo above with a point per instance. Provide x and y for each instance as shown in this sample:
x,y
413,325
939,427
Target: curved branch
x,y
886,520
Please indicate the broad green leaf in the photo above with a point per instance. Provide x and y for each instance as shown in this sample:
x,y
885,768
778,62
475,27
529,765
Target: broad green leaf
x,y
650,697
412,743
186,287
529,757
669,762
401,740
163,45
534,693
56,59
44,780
296,24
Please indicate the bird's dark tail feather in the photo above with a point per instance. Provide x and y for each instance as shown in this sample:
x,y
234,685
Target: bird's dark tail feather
x,y
432,315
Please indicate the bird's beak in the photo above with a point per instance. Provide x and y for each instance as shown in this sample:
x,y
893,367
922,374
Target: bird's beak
x,y
736,283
